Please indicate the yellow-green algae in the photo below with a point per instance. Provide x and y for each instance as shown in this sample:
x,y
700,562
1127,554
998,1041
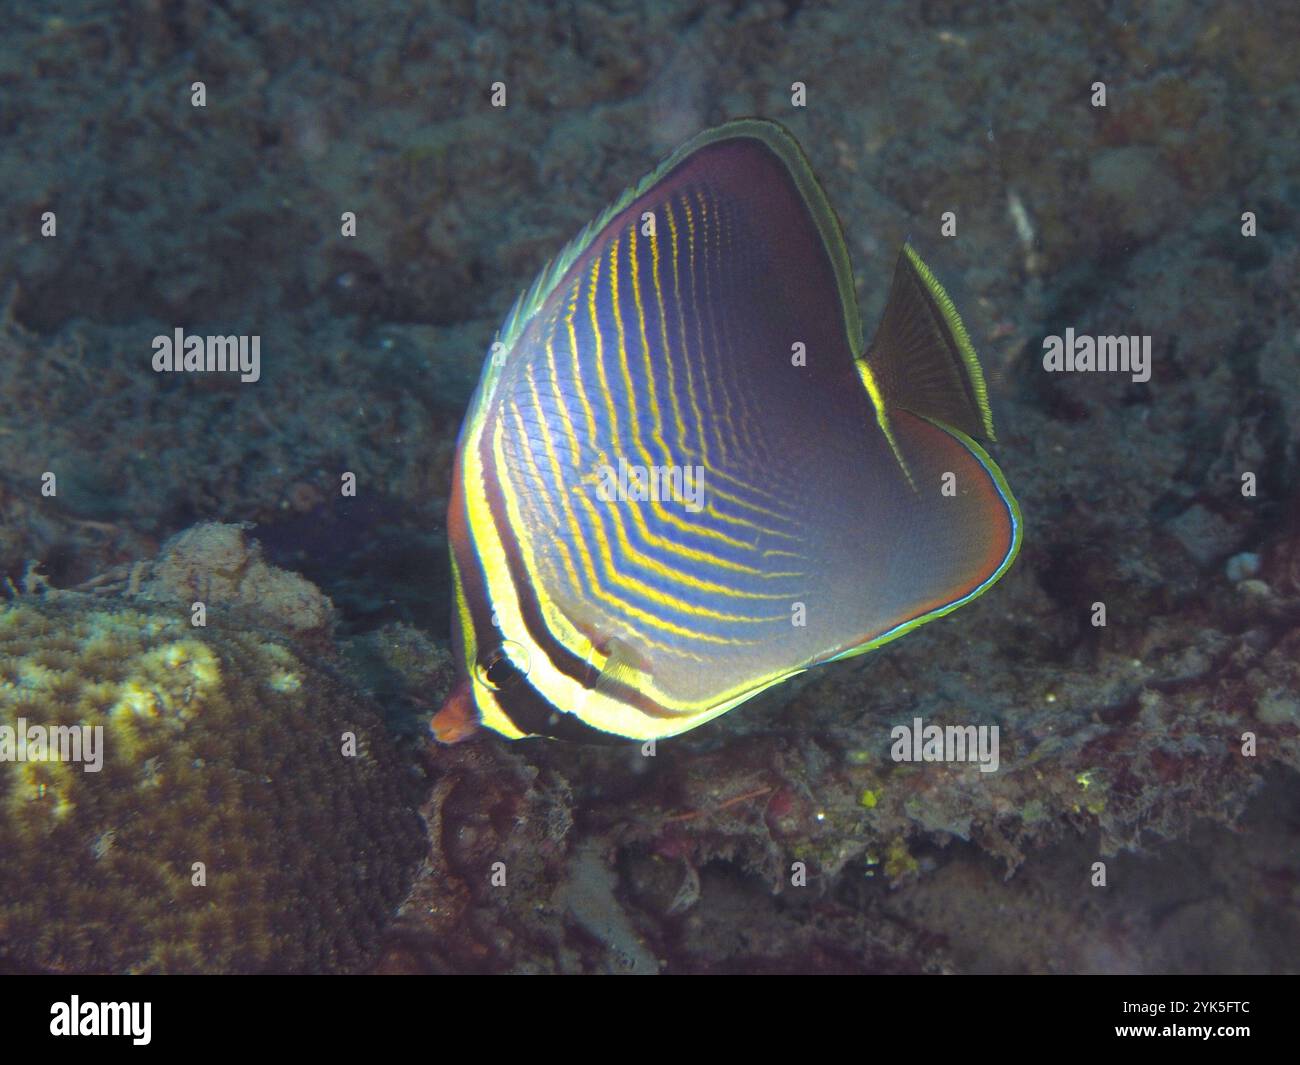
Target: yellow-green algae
x,y
221,746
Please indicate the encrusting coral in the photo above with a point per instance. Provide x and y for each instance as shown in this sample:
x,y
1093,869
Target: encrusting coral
x,y
248,813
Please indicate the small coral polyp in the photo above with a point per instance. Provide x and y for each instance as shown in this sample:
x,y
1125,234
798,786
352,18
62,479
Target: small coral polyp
x,y
227,828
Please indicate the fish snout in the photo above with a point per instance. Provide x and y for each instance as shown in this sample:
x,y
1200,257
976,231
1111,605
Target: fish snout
x,y
457,719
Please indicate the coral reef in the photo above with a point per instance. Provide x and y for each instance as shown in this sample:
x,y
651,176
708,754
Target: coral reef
x,y
1121,744
250,813
217,565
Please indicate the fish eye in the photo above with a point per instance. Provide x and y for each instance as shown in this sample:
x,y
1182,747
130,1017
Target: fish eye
x,y
498,669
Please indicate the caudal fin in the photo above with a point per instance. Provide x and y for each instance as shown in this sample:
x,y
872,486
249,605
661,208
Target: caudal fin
x,y
921,357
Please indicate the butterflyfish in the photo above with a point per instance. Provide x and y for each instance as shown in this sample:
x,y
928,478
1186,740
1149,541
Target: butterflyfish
x,y
685,478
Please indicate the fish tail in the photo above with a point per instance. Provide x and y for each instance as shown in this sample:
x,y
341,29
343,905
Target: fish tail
x,y
921,358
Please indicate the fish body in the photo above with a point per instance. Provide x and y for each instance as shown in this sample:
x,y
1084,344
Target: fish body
x,y
685,478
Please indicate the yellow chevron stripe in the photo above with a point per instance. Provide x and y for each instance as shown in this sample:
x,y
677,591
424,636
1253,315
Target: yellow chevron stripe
x,y
519,526
628,581
681,326
702,351
634,269
749,414
696,412
679,424
668,516
729,383
625,368
694,555
719,358
595,437
531,559
597,708
523,455
748,505
598,341
575,448
578,374
663,514
555,520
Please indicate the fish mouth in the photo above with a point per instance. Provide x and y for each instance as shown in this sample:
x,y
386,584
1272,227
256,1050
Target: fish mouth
x,y
457,719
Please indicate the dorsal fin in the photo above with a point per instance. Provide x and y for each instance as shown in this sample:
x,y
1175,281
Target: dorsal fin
x,y
921,358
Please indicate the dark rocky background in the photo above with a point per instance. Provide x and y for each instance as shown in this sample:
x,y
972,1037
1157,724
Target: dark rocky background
x,y
1120,744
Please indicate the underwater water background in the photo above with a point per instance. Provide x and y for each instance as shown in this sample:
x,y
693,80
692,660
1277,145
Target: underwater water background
x,y
1121,744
